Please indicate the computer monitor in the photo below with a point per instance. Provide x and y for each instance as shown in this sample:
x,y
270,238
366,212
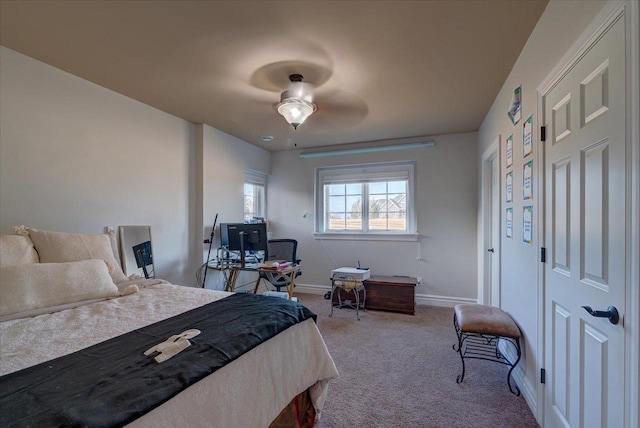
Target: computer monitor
x,y
142,253
244,237
144,257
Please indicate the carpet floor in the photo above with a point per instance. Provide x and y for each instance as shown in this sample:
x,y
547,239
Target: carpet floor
x,y
399,370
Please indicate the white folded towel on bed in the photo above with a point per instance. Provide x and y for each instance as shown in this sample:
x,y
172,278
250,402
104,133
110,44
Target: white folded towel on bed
x,y
173,345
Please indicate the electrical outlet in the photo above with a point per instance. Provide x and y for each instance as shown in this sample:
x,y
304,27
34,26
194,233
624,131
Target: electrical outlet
x,y
419,280
108,229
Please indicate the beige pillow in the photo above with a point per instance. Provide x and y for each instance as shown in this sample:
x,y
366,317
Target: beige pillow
x,y
114,246
41,285
58,247
17,250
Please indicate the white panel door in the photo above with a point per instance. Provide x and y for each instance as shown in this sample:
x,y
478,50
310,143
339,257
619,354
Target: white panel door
x,y
495,232
585,221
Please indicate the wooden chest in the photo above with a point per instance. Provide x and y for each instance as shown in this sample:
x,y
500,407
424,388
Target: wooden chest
x,y
387,293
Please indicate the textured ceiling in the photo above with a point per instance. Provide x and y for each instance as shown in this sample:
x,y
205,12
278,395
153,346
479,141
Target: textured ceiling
x,y
381,69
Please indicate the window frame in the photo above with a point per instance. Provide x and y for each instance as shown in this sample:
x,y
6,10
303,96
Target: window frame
x,y
257,179
365,173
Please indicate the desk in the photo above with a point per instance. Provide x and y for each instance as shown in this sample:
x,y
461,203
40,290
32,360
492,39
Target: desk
x,y
230,270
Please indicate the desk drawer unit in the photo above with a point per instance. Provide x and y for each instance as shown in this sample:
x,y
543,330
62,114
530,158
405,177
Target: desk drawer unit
x,y
387,293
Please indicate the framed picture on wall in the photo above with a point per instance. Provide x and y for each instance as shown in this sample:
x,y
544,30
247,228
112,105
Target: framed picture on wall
x,y
509,222
527,180
527,224
509,186
515,109
509,150
527,137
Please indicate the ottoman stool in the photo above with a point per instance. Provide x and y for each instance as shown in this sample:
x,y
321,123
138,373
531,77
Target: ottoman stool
x,y
480,329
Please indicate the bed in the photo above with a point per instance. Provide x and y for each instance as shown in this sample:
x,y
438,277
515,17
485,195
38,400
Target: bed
x,y
54,309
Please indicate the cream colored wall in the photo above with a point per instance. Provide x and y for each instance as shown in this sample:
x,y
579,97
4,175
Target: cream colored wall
x,y
223,163
560,25
447,200
76,157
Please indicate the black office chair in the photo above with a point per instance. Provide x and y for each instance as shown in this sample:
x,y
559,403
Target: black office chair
x,y
281,249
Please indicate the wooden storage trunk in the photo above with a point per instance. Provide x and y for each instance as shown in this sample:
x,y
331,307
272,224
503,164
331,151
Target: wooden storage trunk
x,y
386,293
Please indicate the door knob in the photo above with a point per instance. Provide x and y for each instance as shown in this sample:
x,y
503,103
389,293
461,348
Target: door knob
x,y
491,250
611,313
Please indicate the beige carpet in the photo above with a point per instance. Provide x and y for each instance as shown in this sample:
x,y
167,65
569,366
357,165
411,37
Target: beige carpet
x,y
399,370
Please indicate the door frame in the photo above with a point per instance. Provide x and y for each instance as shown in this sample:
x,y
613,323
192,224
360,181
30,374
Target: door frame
x,y
493,152
631,318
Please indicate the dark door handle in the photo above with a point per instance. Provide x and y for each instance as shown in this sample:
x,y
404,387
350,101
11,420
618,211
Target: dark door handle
x,y
491,250
611,313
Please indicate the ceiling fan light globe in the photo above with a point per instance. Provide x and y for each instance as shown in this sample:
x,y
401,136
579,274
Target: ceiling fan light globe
x,y
295,111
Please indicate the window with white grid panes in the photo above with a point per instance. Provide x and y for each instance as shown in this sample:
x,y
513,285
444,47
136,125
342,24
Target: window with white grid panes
x,y
366,199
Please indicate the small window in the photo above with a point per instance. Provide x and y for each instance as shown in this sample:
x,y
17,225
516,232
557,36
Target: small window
x,y
254,195
369,200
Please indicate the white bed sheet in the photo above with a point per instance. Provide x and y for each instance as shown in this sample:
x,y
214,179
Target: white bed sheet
x,y
248,392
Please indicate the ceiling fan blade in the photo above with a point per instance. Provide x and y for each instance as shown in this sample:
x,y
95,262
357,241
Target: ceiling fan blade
x,y
338,109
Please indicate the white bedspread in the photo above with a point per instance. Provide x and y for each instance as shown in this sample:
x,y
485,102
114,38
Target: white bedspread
x,y
248,392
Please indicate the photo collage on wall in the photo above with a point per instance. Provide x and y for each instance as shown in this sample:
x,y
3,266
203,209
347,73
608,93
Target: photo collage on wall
x,y
515,114
509,187
527,180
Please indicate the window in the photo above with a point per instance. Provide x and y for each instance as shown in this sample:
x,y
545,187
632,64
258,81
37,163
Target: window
x,y
254,195
366,201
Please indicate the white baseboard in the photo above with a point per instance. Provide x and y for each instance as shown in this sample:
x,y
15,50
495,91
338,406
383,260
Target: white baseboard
x,y
527,390
312,289
421,299
446,301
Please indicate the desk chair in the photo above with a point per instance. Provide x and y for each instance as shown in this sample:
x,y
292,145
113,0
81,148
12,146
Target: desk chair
x,y
281,249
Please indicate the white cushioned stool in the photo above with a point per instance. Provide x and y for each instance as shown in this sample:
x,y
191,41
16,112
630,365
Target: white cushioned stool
x,y
480,329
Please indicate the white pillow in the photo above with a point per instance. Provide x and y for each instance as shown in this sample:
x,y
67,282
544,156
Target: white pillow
x,y
41,285
17,250
57,247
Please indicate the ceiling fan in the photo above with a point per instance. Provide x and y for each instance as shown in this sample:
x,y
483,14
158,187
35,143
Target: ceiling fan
x,y
306,89
296,103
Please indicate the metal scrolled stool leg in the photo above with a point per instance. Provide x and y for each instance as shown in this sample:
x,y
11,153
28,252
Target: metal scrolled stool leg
x,y
348,284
